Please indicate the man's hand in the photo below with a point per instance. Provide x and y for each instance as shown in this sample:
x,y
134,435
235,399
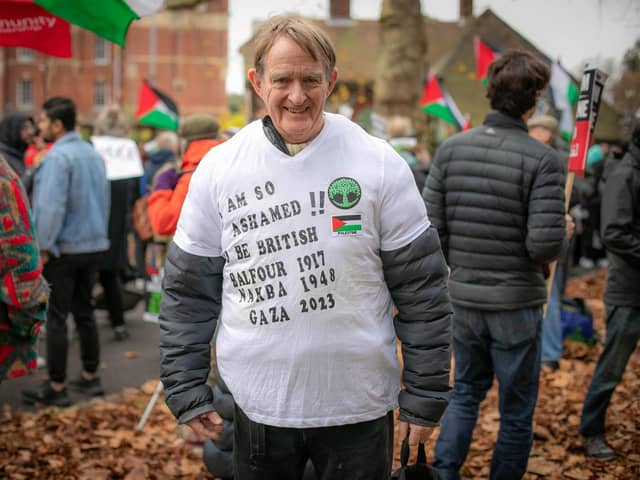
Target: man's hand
x,y
417,434
44,256
208,425
570,225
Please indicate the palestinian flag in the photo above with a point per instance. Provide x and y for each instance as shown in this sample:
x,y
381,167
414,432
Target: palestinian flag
x,y
565,95
346,223
484,56
109,19
155,109
435,101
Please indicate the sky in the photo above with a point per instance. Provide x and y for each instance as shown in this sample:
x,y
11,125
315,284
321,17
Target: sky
x,y
571,30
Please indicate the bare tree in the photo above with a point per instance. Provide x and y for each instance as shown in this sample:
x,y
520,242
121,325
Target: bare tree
x,y
402,58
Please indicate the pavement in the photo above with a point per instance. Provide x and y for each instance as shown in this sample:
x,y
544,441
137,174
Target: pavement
x,y
127,363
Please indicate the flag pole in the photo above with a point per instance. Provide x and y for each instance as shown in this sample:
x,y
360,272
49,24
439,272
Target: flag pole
x,y
587,108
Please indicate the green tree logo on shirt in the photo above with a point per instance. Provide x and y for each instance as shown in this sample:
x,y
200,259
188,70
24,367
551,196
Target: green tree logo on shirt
x,y
344,192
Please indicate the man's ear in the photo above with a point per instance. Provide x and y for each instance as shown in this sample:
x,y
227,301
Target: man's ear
x,y
56,126
256,81
332,81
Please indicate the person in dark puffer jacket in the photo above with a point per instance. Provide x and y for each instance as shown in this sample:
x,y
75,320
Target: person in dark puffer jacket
x,y
621,236
496,196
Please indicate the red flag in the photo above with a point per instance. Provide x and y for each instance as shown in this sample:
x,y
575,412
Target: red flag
x,y
586,117
484,56
25,24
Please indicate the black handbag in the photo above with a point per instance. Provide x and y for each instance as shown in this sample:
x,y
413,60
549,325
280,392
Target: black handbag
x,y
419,471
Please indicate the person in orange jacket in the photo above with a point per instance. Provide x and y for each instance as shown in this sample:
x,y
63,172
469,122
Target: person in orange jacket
x,y
200,132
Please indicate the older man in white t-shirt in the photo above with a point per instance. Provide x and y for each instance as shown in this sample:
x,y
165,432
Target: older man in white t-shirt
x,y
302,232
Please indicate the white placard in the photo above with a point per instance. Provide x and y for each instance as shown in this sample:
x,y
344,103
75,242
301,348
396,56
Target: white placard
x,y
121,157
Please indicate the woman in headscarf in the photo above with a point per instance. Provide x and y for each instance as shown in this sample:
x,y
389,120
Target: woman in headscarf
x,y
16,133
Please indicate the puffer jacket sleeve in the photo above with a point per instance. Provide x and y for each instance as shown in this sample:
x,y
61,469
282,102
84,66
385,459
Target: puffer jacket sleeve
x,y
191,301
416,276
546,223
617,223
434,197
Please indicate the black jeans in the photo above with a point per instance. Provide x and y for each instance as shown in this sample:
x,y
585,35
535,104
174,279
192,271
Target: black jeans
x,y
72,278
141,256
112,286
360,451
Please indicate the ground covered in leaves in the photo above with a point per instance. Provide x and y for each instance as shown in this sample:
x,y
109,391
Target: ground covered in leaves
x,y
98,440
558,449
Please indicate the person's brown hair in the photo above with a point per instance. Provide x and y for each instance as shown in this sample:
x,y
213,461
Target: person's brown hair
x,y
310,38
515,81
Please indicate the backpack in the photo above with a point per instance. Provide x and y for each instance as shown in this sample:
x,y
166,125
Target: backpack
x,y
141,222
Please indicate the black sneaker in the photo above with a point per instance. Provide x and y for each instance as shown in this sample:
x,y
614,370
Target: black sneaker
x,y
91,387
46,395
597,448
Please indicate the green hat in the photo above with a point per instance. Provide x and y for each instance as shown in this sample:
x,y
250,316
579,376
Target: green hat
x,y
198,127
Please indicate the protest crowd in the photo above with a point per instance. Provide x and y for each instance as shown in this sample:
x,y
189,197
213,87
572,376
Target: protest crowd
x,y
283,315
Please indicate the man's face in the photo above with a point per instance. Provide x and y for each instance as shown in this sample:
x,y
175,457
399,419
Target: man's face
x,y
27,132
46,127
294,88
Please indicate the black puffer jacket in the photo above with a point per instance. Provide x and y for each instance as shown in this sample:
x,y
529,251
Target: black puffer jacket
x,y
621,230
496,196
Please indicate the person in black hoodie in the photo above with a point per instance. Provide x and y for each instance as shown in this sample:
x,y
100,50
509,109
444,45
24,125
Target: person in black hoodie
x,y
16,133
620,229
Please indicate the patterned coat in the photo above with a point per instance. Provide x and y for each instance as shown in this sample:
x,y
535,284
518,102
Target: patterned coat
x,y
23,290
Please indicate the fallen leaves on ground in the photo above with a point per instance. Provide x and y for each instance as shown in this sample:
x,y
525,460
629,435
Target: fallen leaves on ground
x,y
558,448
98,440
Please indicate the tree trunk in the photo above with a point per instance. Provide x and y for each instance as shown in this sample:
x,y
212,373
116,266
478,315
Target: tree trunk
x,y
402,59
177,4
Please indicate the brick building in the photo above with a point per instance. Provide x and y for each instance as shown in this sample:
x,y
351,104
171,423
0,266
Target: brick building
x,y
182,52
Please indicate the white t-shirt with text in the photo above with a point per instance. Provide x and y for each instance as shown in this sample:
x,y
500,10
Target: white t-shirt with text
x,y
306,336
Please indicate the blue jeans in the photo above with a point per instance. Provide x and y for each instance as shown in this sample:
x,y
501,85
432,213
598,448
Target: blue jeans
x,y
623,333
507,344
551,326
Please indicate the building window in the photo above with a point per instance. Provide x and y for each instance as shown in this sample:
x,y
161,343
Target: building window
x,y
100,94
25,95
101,51
24,55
